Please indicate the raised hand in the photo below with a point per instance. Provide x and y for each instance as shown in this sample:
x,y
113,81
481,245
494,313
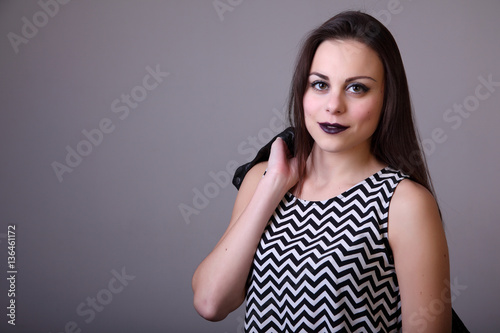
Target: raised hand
x,y
281,165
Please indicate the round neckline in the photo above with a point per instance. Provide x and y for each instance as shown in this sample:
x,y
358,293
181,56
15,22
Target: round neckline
x,y
292,196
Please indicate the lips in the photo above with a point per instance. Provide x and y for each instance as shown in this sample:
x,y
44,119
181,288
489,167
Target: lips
x,y
332,128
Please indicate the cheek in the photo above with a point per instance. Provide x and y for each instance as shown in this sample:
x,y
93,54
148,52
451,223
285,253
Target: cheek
x,y
365,119
369,114
307,106
310,105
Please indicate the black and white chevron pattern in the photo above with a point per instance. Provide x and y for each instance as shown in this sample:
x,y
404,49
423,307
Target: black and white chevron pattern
x,y
326,266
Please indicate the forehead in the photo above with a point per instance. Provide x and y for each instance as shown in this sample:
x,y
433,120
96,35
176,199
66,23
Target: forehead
x,y
346,58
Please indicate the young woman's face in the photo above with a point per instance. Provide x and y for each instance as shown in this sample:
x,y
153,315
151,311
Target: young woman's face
x,y
345,94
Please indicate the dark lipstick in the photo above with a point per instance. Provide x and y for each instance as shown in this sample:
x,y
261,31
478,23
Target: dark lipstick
x,y
332,128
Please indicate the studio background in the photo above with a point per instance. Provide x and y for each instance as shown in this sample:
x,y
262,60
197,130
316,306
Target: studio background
x,y
122,121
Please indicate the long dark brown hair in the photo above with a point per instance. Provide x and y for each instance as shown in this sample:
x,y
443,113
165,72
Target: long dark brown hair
x,y
395,141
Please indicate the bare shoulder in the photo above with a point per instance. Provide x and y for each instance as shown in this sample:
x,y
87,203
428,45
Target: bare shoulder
x,y
253,176
412,198
413,211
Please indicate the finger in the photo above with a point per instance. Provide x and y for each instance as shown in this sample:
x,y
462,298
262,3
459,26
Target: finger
x,y
277,146
277,155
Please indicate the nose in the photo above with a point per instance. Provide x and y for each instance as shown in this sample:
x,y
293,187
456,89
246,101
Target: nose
x,y
335,102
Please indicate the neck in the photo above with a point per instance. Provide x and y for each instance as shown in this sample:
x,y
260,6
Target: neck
x,y
326,168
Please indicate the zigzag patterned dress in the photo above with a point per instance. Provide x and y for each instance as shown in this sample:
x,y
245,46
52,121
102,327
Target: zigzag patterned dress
x,y
326,266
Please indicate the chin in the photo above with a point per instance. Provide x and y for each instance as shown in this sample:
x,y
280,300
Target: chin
x,y
330,147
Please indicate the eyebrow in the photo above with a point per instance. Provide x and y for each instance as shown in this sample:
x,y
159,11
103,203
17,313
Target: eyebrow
x,y
349,79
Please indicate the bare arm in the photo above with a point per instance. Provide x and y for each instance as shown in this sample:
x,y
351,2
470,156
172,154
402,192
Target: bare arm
x,y
420,251
219,281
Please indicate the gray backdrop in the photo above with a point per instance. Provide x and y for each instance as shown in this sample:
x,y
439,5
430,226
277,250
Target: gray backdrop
x,y
121,122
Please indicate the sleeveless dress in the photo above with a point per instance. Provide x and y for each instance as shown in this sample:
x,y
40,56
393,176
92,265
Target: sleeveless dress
x,y
326,266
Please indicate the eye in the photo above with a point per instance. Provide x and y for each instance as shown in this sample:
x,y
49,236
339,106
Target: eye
x,y
357,88
319,85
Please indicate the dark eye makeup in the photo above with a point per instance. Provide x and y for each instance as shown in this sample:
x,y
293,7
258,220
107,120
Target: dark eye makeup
x,y
355,87
319,85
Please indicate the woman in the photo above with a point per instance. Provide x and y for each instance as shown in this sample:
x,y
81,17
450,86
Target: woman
x,y
313,244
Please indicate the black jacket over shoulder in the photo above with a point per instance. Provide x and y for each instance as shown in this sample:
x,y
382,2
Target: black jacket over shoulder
x,y
287,135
